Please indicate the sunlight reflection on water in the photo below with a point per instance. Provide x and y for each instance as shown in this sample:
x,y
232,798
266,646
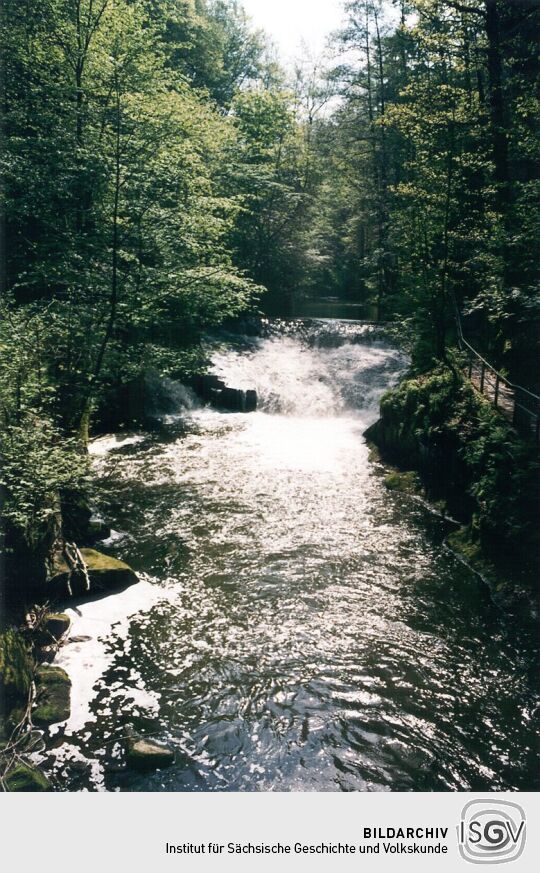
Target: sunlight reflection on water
x,y
300,627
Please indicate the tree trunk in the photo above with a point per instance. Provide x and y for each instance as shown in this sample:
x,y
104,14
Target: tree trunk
x,y
496,103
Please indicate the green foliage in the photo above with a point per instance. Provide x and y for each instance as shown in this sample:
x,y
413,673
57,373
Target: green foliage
x,y
150,153
271,176
469,453
504,474
38,463
431,173
159,175
212,44
118,221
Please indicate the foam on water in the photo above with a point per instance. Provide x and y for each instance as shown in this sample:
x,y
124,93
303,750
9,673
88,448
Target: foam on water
x,y
298,626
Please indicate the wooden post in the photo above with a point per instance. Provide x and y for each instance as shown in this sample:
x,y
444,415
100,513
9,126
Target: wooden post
x,y
470,365
496,401
482,378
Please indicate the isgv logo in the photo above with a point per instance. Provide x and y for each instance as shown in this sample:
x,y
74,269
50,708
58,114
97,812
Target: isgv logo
x,y
492,831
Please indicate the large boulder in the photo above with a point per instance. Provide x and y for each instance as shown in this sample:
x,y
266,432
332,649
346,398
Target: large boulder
x,y
205,385
57,624
214,391
53,696
105,573
250,401
142,754
53,629
406,482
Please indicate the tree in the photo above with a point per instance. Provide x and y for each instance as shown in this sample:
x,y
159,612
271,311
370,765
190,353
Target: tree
x,y
118,226
435,137
269,177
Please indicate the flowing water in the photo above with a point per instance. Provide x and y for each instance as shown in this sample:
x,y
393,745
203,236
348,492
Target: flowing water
x,y
297,626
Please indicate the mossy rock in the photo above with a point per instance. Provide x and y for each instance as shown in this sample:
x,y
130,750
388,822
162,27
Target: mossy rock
x,y
98,529
405,483
24,777
371,435
106,574
53,696
144,754
16,666
54,628
58,625
374,455
466,546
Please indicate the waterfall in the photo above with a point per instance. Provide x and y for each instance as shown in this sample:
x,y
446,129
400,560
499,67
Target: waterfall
x,y
312,373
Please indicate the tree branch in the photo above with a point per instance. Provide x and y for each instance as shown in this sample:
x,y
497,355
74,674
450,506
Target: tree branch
x,y
462,7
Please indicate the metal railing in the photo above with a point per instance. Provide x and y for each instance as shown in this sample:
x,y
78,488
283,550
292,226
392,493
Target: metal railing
x,y
517,404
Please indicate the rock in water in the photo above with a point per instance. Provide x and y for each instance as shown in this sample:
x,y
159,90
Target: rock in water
x,y
144,754
251,401
57,625
23,777
220,396
405,482
98,529
106,574
53,696
52,631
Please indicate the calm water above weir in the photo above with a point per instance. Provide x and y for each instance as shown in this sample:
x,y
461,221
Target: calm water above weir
x,y
297,626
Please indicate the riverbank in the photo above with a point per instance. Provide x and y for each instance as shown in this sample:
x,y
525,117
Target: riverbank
x,y
35,690
470,461
301,625
33,696
299,622
50,671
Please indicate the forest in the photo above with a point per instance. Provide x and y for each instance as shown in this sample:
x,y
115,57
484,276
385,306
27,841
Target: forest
x,y
163,174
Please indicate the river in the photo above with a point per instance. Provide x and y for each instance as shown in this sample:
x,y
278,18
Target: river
x,y
297,626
